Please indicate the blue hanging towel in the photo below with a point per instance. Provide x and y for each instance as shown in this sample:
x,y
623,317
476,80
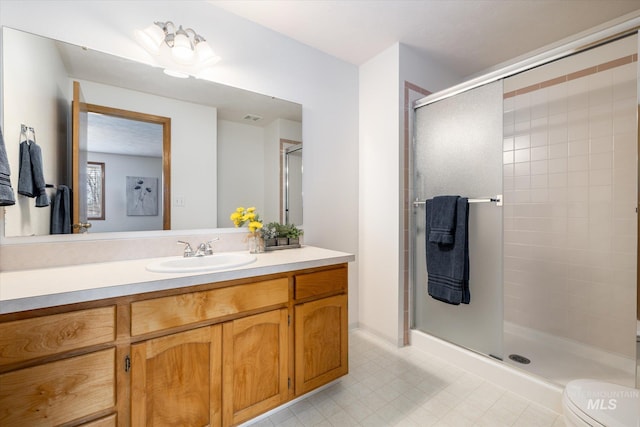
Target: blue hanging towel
x,y
25,177
443,219
31,176
448,264
42,198
61,211
7,198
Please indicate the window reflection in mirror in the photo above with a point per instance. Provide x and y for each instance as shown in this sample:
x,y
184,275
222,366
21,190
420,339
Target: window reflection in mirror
x,y
95,191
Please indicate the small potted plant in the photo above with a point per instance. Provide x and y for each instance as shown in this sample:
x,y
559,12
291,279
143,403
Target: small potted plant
x,y
294,233
270,233
281,237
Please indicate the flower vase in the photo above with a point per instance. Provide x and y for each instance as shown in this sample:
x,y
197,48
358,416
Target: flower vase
x,y
256,244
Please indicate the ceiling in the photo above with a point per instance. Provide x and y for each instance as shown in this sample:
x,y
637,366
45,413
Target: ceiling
x,y
116,135
233,104
465,36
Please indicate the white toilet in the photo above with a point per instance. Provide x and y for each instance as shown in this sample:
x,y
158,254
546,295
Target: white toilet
x,y
597,403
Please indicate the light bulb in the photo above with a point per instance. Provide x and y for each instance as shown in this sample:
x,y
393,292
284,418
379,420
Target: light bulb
x,y
181,50
151,38
205,54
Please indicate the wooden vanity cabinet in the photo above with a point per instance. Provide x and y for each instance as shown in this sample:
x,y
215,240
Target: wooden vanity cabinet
x,y
321,328
214,354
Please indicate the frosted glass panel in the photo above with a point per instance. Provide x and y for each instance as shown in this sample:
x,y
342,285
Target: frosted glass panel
x,y
458,151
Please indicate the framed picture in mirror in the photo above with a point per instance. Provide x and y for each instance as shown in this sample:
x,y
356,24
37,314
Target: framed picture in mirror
x,y
142,196
95,190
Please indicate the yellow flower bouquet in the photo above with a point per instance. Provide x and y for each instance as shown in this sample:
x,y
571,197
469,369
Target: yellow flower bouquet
x,y
250,217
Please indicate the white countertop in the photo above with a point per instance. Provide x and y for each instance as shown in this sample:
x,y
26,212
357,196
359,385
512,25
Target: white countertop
x,y
48,287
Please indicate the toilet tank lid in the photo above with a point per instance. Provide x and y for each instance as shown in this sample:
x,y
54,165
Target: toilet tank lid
x,y
609,404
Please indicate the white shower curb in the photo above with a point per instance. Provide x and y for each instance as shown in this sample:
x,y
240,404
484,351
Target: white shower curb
x,y
528,386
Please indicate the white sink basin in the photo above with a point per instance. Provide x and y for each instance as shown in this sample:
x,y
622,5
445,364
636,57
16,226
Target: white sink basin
x,y
213,262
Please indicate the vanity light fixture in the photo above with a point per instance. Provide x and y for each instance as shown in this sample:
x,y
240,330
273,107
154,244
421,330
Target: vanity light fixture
x,y
180,51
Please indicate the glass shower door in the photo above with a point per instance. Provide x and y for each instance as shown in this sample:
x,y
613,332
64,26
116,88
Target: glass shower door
x,y
458,151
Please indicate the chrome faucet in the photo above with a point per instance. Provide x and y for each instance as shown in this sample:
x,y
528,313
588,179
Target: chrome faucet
x,y
203,248
188,251
208,249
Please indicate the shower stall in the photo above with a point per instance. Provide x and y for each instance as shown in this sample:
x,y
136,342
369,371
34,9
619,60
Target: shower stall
x,y
292,183
550,154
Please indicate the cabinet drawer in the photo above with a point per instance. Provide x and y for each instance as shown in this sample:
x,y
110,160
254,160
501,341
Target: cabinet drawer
x,y
58,392
27,339
320,283
179,310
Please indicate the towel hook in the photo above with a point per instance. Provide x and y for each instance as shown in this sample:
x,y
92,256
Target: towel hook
x,y
24,130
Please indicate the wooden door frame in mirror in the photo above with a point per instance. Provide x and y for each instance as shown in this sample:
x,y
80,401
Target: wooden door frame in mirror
x,y
166,149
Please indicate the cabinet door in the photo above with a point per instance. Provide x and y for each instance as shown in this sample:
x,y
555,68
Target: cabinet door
x,y
255,353
175,380
321,342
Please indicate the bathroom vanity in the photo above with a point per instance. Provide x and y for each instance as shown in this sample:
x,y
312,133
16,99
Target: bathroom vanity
x,y
113,344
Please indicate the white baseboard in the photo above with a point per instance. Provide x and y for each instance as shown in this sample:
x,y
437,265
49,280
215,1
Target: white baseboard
x,y
287,404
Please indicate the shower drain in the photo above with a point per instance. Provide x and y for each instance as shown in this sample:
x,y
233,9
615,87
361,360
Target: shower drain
x,y
519,359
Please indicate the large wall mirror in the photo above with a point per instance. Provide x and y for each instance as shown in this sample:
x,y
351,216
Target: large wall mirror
x,y
224,146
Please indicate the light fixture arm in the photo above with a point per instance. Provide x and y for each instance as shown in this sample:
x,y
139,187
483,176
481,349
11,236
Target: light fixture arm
x,y
197,38
168,35
192,32
187,47
165,26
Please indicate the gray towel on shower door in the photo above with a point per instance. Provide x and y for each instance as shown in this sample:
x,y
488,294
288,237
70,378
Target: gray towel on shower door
x,y
443,219
448,265
7,198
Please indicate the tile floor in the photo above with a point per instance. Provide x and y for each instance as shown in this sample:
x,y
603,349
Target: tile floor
x,y
387,386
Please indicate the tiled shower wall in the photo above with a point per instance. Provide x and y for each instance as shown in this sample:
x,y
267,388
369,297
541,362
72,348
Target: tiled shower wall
x,y
570,178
